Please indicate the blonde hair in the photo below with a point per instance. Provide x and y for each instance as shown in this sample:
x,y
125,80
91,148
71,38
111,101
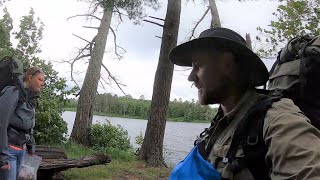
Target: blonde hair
x,y
31,72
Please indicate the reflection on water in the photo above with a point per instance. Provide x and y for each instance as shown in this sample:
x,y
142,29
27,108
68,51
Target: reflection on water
x,y
178,139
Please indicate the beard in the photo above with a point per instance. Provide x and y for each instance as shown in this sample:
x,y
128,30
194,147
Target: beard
x,y
214,95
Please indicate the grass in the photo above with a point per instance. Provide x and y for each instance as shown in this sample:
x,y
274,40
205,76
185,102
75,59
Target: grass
x,y
122,166
118,169
75,150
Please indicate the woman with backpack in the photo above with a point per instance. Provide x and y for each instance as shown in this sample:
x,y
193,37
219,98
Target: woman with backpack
x,y
17,119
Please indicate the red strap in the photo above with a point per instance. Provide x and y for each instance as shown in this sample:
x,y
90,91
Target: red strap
x,y
16,147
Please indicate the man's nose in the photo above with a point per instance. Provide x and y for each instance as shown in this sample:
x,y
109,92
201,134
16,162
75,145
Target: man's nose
x,y
192,76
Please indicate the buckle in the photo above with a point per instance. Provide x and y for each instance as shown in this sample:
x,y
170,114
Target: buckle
x,y
204,132
252,141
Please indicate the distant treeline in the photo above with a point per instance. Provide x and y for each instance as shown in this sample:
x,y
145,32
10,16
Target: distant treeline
x,y
126,106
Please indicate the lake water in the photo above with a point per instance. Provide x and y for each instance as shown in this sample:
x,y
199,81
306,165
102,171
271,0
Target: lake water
x,y
178,139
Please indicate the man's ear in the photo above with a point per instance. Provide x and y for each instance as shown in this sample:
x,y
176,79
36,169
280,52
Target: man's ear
x,y
229,60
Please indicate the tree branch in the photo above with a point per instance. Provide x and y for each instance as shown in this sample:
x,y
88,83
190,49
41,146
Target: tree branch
x,y
156,18
81,38
114,79
72,66
104,82
119,13
116,46
89,27
86,15
201,19
153,23
95,6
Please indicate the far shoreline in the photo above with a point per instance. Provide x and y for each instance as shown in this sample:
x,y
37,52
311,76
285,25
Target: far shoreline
x,y
137,118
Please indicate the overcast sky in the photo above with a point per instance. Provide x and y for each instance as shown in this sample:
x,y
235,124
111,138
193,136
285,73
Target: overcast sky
x,y
139,64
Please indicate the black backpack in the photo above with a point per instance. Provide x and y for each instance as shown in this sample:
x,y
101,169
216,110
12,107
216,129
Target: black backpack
x,y
294,75
10,70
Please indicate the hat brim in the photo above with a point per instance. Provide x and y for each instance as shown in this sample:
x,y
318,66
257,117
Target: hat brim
x,y
181,56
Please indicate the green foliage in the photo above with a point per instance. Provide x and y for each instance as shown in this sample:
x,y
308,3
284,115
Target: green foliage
x,y
109,137
113,140
75,150
293,18
72,103
5,30
112,105
123,155
139,139
134,10
50,127
29,36
190,111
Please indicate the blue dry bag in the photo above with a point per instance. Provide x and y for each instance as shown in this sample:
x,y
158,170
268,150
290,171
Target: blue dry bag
x,y
194,167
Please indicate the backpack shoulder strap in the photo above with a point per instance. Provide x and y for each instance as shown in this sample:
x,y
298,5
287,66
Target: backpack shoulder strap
x,y
249,135
22,94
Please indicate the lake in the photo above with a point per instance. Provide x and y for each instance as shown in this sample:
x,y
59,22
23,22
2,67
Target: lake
x,y
178,139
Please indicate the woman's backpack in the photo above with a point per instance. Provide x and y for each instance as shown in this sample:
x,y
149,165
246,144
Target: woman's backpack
x,y
10,70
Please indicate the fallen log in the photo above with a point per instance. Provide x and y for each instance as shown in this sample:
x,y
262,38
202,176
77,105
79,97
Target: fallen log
x,y
54,160
63,164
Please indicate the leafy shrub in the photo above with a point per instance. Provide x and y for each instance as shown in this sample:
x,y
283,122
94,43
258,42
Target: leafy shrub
x,y
139,139
107,136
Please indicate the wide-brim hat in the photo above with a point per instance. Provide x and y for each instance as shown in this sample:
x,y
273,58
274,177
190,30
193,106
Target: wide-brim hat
x,y
228,39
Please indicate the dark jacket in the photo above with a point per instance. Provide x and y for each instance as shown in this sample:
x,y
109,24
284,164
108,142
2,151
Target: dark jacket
x,y
17,119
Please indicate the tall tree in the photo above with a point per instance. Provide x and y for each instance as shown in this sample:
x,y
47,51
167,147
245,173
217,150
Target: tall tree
x,y
152,147
215,18
95,51
215,22
6,27
293,18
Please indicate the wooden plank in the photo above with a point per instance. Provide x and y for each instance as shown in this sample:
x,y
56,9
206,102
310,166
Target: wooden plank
x,y
47,152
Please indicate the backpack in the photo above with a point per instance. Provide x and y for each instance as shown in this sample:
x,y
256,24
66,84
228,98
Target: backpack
x,y
10,70
294,75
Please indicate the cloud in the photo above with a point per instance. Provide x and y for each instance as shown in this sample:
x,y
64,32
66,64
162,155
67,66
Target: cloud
x,y
138,66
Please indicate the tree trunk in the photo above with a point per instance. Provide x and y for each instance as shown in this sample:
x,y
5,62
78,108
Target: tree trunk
x,y
248,41
152,147
215,22
83,121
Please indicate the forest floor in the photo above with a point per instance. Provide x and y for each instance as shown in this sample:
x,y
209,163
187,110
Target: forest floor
x,y
120,168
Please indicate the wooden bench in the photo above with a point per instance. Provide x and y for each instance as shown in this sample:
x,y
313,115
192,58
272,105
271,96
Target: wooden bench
x,y
54,160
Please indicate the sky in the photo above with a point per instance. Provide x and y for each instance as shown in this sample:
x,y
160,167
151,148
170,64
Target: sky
x,y
138,66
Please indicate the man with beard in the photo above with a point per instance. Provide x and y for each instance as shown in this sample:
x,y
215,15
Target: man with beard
x,y
226,72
